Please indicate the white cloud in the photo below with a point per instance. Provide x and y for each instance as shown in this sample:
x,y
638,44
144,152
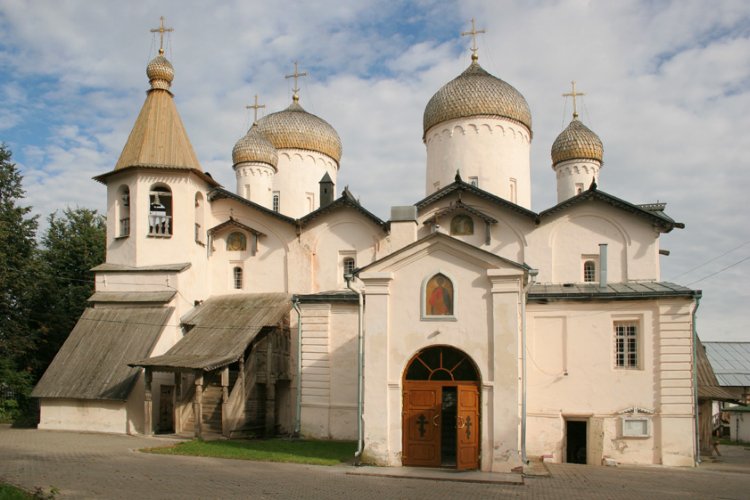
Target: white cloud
x,y
667,84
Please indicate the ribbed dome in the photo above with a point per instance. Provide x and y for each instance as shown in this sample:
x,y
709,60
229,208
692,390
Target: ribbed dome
x,y
255,148
296,128
475,92
160,72
577,142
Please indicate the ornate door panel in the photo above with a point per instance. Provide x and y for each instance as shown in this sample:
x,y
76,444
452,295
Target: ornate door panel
x,y
421,424
467,419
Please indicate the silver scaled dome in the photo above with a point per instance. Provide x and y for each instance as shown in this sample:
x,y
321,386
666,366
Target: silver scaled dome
x,y
296,128
253,147
577,142
160,72
475,92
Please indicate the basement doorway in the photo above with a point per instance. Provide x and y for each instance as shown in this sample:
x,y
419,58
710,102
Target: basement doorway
x,y
575,441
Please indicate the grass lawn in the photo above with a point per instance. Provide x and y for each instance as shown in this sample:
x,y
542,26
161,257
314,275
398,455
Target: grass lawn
x,y
267,450
8,492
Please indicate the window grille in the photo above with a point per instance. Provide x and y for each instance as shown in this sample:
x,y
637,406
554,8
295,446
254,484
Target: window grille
x,y
589,271
349,265
276,202
626,345
237,275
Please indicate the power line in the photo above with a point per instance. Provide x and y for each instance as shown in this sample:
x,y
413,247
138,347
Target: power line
x,y
720,270
711,260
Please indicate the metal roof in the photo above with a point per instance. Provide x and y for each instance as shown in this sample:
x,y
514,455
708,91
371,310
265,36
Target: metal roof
x,y
93,361
133,297
731,362
220,329
613,291
346,200
121,268
708,385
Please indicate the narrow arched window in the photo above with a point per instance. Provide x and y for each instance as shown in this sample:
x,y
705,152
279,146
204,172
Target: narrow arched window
x,y
160,221
199,217
589,271
236,241
439,297
122,217
462,225
237,278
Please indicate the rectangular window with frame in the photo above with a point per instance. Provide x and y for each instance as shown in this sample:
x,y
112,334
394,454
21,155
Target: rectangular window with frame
x,y
276,201
626,344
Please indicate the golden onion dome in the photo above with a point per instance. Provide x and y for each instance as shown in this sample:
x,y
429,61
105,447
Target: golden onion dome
x,y
253,147
296,128
160,72
577,142
475,92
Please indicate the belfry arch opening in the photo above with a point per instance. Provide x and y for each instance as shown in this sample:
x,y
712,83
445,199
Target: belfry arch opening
x,y
440,425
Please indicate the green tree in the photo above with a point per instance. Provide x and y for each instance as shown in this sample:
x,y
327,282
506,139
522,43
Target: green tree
x,y
72,244
18,274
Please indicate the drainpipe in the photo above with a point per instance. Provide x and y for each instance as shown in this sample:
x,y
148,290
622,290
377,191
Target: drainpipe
x,y
695,384
532,277
360,364
298,415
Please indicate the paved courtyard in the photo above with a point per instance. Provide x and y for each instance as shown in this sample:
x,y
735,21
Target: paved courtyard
x,y
83,465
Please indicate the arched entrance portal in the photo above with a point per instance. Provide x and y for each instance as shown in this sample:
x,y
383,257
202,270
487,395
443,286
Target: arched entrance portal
x,y
440,424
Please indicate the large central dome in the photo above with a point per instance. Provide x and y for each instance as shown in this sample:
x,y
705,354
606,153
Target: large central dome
x,y
475,92
296,128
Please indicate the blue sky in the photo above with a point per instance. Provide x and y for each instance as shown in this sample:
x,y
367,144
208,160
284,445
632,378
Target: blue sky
x,y
667,89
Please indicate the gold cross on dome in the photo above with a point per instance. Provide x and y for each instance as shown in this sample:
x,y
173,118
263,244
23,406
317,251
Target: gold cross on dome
x,y
161,30
473,33
573,94
296,76
255,107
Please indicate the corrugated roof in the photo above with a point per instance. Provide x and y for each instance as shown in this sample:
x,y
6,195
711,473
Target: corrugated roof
x,y
93,361
731,362
613,291
220,329
708,385
133,297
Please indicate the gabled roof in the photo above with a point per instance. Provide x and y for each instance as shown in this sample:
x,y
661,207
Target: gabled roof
x,y
234,223
460,186
160,268
731,362
93,361
613,291
221,193
459,206
132,297
346,200
440,238
220,330
652,212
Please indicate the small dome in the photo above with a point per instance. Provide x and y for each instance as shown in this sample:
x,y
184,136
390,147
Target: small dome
x,y
296,128
475,92
253,147
577,142
160,72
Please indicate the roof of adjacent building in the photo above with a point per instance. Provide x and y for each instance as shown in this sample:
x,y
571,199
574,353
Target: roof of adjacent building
x,y
159,268
220,330
612,291
731,362
577,142
708,384
475,92
93,361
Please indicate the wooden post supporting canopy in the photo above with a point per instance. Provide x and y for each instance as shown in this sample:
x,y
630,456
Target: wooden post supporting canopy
x,y
198,403
224,401
148,427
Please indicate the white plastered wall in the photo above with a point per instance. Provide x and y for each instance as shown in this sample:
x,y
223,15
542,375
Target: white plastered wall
x,y
572,374
492,149
298,177
574,174
486,327
255,182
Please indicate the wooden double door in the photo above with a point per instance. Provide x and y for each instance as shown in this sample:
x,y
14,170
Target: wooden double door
x,y
441,424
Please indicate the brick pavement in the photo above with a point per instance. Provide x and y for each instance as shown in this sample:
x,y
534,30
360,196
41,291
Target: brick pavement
x,y
106,466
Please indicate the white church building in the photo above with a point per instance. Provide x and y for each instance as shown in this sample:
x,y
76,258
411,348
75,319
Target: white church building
x,y
467,331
